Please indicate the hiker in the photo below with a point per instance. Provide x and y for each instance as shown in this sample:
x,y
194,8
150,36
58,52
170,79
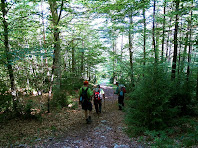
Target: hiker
x,y
120,90
98,96
85,95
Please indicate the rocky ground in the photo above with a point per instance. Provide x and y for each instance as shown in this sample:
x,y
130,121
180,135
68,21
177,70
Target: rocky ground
x,y
106,131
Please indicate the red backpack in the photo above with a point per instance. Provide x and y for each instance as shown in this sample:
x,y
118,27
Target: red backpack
x,y
97,96
123,89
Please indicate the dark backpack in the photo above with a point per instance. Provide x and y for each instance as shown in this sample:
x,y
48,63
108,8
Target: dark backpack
x,y
84,95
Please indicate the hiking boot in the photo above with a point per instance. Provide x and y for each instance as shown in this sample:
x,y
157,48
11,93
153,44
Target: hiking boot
x,y
89,119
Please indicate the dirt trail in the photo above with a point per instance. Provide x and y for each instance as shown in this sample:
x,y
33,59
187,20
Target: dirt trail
x,y
106,130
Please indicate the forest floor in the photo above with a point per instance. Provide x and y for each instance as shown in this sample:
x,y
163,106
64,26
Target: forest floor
x,y
69,129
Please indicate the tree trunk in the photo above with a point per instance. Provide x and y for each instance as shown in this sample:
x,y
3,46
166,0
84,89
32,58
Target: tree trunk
x,y
73,58
113,78
197,85
185,49
82,58
163,33
6,44
144,46
190,46
175,41
56,69
131,47
122,46
153,32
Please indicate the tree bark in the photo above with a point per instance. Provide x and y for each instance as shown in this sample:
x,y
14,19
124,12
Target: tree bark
x,y
190,46
175,41
131,47
163,33
73,58
144,46
82,58
56,69
197,86
153,32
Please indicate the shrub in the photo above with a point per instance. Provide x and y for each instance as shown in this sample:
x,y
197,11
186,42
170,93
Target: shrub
x,y
149,107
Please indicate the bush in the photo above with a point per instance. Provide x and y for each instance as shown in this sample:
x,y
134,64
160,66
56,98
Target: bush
x,y
149,107
6,97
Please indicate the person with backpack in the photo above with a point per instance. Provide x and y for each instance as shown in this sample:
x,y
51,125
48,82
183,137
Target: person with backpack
x,y
98,96
85,95
120,91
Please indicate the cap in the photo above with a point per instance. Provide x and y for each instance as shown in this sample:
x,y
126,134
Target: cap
x,y
86,82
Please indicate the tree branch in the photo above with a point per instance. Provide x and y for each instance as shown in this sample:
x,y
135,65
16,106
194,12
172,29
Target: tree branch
x,y
60,13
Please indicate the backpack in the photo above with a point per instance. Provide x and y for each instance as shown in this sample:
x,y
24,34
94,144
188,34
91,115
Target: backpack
x,y
84,95
97,96
122,90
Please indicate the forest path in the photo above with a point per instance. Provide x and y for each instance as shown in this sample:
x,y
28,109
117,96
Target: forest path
x,y
105,131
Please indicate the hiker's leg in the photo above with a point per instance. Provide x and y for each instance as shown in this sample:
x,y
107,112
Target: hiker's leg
x,y
85,114
90,112
100,106
96,105
123,102
120,102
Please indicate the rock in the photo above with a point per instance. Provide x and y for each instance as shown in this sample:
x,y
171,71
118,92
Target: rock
x,y
121,146
103,146
66,147
104,121
39,139
77,141
21,146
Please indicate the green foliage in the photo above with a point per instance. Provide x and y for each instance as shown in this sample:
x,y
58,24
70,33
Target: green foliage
x,y
6,98
59,99
182,96
185,134
148,107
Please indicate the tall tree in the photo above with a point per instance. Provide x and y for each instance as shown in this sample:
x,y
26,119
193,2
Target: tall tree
x,y
131,46
190,45
153,33
8,54
175,39
144,36
163,33
56,68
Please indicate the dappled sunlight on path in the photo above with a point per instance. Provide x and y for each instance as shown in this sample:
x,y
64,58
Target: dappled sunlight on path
x,y
106,130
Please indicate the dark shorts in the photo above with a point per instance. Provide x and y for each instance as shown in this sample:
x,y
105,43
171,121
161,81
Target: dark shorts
x,y
87,105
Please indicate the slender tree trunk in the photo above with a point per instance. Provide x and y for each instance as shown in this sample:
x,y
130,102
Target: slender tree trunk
x,y
113,62
131,47
168,51
73,58
82,58
163,33
180,48
144,46
185,49
122,46
197,86
153,32
190,46
175,41
6,44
